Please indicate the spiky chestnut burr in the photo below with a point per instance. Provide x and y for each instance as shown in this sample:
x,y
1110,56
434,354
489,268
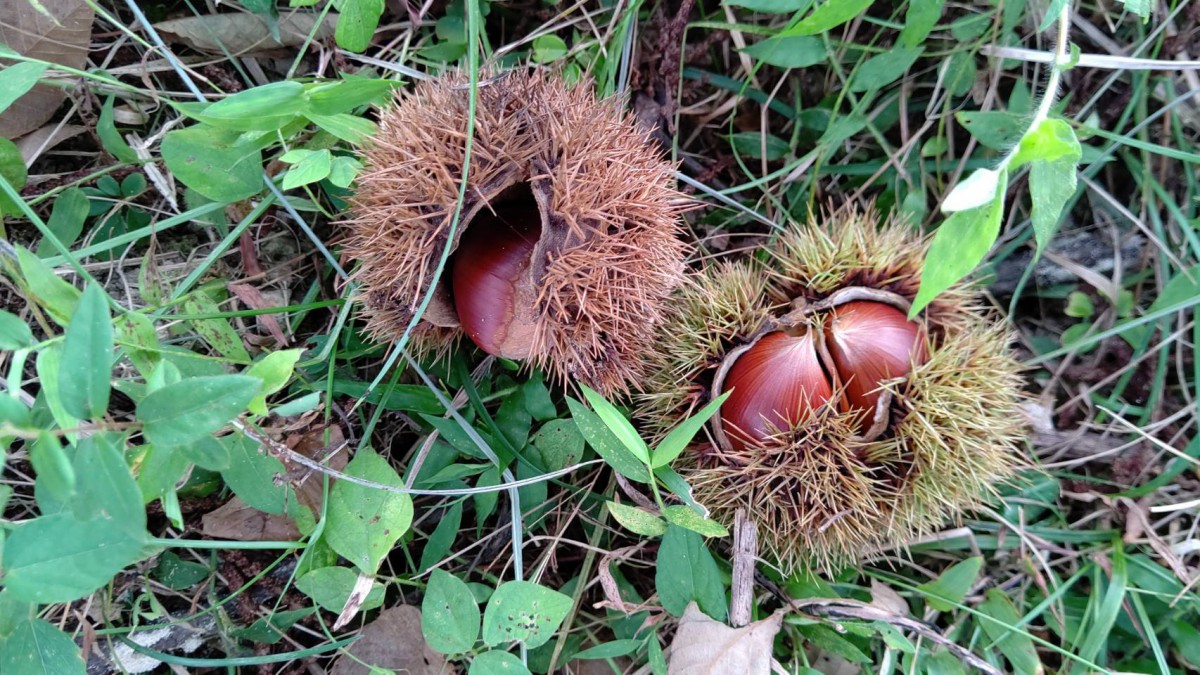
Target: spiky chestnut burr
x,y
899,426
567,249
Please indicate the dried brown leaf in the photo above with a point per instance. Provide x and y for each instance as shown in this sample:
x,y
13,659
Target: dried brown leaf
x,y
392,641
239,521
244,33
703,646
60,36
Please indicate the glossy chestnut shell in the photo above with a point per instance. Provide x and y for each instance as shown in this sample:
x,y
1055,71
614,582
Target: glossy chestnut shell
x,y
493,293
844,357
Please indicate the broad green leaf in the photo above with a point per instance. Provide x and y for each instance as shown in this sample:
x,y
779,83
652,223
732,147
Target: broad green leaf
x,y
883,69
796,51
999,620
830,14
686,517
610,650
919,20
1053,153
677,485
66,219
364,522
548,47
349,128
496,662
184,412
158,470
47,288
618,425
1051,186
36,647
48,364
214,164
606,444
958,246
17,79
357,22
449,614
993,129
537,400
1141,8
14,333
207,453
1053,139
637,520
684,432
514,420
52,466
275,370
942,662
251,476
264,108
105,488
948,590
110,138
216,332
1187,641
12,169
685,571
137,337
332,98
311,168
57,558
330,588
1180,288
442,538
557,445
754,145
524,611
343,171
485,502
87,355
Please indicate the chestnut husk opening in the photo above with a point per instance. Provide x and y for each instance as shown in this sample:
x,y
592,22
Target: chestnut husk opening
x,y
806,315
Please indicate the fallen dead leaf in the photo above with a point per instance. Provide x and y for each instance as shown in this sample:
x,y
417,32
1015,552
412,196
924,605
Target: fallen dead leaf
x,y
244,33
239,521
886,598
392,641
60,36
703,646
32,145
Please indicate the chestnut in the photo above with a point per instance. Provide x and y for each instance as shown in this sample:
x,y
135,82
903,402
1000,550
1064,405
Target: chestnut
x,y
779,380
774,386
870,342
567,246
848,430
494,295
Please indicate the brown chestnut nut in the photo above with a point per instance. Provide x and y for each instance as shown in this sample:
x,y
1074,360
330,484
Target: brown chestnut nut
x,y
493,292
870,342
775,385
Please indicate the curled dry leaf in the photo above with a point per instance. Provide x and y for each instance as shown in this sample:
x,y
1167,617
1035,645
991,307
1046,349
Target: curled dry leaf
x,y
703,646
244,33
392,641
55,31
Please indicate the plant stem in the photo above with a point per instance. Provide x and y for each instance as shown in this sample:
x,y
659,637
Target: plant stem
x,y
1050,93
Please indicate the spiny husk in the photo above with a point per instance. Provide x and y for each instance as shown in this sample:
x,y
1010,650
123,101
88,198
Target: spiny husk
x,y
603,192
823,496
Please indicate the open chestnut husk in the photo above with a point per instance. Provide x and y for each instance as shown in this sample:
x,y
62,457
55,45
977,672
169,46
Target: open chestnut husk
x,y
849,429
567,248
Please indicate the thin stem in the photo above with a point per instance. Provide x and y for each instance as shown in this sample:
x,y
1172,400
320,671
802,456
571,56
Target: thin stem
x,y
1051,92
